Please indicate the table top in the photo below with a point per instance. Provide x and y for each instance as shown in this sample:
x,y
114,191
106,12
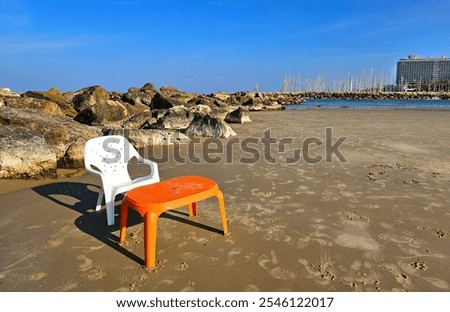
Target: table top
x,y
170,190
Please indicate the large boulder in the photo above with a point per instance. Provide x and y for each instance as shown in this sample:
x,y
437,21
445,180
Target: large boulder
x,y
254,104
103,113
60,132
239,115
202,100
8,92
201,109
87,97
149,88
139,120
177,95
24,153
42,105
141,138
162,101
205,125
221,96
136,96
177,117
240,98
55,96
221,112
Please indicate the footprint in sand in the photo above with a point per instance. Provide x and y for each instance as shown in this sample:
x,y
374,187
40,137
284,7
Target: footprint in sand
x,y
411,182
268,194
265,212
234,252
387,226
189,287
55,242
353,216
87,263
373,176
442,233
258,193
190,256
419,265
96,274
38,276
402,240
400,277
68,286
323,273
270,265
252,288
183,266
437,282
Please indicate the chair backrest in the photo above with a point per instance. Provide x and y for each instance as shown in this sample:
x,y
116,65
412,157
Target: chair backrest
x,y
109,155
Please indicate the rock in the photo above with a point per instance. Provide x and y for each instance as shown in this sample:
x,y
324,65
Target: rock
x,y
149,88
24,153
205,125
221,112
159,101
202,100
142,138
139,120
221,96
8,92
74,156
240,98
87,97
201,109
103,113
272,105
254,104
1,102
42,105
240,115
60,132
177,95
55,96
137,97
177,117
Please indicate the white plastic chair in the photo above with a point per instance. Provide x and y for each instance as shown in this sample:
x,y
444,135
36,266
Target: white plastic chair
x,y
108,157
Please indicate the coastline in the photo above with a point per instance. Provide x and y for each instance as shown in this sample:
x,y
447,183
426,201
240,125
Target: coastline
x,y
377,222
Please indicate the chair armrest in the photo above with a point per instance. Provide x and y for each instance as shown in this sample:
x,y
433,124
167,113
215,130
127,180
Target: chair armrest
x,y
153,165
90,170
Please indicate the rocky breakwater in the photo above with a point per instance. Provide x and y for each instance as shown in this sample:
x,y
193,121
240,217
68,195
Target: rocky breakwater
x,y
372,95
42,131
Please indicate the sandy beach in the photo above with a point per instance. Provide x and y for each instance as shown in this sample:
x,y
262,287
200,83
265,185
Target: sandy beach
x,y
375,219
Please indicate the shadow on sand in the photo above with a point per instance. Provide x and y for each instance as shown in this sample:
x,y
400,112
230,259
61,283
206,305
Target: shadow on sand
x,y
82,197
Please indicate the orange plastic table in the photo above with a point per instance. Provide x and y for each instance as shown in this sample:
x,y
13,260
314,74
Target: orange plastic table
x,y
152,200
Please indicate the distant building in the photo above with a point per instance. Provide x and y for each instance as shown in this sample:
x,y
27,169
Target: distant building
x,y
414,71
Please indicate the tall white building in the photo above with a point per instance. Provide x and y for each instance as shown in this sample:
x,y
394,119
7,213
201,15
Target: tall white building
x,y
415,70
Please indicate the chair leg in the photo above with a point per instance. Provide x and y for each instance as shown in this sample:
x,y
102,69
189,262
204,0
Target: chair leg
x,y
150,226
123,221
222,213
193,210
99,199
110,206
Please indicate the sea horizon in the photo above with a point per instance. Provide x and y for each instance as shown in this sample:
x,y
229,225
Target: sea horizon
x,y
372,104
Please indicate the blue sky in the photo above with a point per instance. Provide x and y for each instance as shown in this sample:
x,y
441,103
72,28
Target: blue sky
x,y
210,46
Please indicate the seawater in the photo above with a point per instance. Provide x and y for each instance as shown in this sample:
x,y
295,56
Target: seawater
x,y
371,104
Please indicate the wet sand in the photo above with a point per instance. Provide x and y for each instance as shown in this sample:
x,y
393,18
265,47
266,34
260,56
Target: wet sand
x,y
378,222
